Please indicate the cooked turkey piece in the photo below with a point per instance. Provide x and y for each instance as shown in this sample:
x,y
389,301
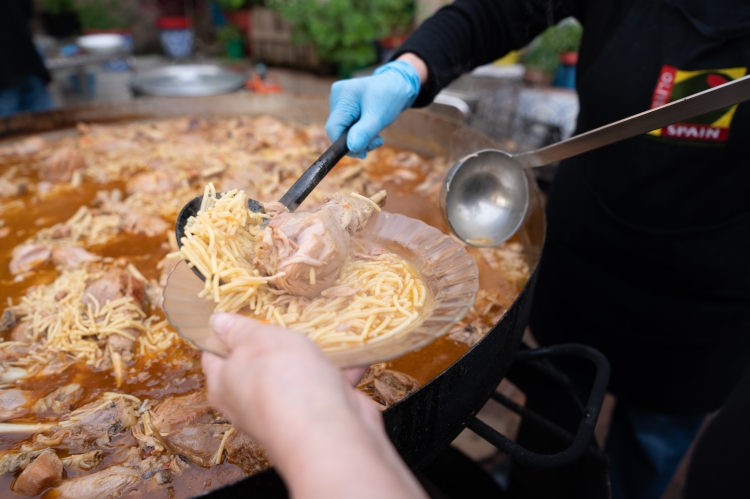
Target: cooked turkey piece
x,y
72,256
245,453
11,462
386,386
32,145
27,257
44,472
114,284
309,247
155,182
197,443
11,188
8,320
182,410
59,402
12,403
93,425
105,484
60,165
189,427
22,333
85,461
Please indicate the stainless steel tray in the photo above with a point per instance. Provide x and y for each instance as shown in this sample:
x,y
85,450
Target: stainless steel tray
x,y
187,81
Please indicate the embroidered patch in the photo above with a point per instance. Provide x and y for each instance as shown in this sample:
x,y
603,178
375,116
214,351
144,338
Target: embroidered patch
x,y
674,84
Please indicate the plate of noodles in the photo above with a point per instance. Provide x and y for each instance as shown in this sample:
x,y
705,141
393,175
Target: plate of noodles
x,y
364,284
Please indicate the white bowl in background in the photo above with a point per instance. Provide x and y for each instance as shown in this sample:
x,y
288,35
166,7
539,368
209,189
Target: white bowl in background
x,y
105,43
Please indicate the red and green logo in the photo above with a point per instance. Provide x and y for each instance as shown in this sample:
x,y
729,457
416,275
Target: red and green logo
x,y
674,84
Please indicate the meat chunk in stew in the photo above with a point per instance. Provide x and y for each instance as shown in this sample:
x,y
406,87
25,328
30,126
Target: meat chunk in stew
x,y
12,462
385,386
60,165
22,333
8,320
85,461
156,182
310,247
44,472
12,403
114,284
27,257
189,427
58,402
10,188
93,425
72,256
105,484
32,145
245,453
13,352
183,410
197,443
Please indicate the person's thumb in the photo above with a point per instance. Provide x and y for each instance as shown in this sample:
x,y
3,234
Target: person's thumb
x,y
339,120
232,329
363,132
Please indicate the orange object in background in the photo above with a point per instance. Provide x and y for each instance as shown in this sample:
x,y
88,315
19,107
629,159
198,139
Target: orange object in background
x,y
261,84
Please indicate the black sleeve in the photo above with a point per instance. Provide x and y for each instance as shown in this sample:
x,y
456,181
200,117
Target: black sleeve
x,y
19,58
28,9
469,33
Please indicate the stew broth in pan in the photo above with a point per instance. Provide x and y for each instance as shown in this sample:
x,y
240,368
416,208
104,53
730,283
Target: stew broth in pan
x,y
110,170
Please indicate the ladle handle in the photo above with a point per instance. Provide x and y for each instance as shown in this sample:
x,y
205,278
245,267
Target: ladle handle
x,y
709,100
312,177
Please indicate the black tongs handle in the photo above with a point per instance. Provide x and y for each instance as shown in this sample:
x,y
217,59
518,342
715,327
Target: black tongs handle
x,y
317,172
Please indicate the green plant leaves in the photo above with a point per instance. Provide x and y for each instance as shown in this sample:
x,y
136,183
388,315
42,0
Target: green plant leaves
x,y
230,4
344,31
544,52
228,33
57,7
103,14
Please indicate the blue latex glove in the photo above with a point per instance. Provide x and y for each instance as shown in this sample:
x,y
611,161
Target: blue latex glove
x,y
371,103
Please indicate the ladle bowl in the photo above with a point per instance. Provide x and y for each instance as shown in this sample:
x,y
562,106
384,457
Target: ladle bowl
x,y
487,200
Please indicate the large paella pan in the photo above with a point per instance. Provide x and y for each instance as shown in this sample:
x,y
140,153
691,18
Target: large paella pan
x,y
98,394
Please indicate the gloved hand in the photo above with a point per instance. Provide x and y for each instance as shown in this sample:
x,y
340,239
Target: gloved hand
x,y
371,103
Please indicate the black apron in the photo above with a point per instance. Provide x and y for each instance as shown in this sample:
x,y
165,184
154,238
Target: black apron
x,y
647,256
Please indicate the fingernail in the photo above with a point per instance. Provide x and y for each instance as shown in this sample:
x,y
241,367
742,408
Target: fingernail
x,y
221,323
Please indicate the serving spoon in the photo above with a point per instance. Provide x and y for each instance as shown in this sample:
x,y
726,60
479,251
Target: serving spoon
x,y
291,199
485,196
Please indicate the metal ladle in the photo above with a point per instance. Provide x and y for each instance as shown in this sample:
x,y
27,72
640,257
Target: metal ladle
x,y
291,199
485,195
